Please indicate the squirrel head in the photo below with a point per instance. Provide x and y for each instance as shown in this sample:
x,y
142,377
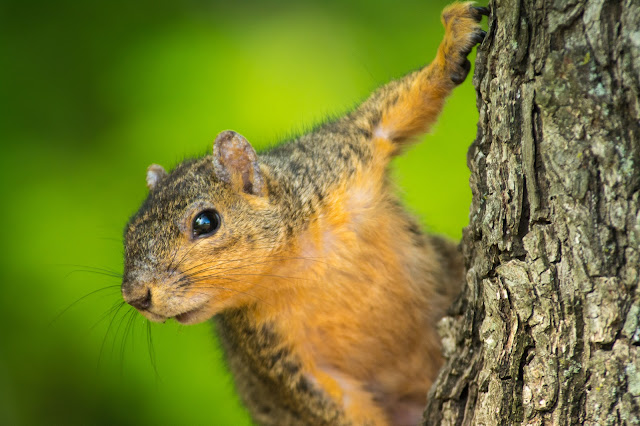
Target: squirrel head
x,y
201,236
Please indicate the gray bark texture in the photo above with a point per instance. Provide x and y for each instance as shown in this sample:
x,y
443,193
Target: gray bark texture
x,y
547,330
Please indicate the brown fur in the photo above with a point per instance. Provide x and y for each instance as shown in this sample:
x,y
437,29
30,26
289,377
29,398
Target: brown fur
x,y
326,292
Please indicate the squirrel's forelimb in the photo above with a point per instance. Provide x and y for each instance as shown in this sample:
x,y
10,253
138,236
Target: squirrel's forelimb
x,y
406,108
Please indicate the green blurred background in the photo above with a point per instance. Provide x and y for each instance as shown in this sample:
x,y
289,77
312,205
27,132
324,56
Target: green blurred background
x,y
91,93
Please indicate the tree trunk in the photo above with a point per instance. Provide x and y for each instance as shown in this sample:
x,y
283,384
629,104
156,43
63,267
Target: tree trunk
x,y
548,328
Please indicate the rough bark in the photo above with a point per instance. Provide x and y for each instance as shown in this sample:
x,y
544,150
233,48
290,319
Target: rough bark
x,y
548,328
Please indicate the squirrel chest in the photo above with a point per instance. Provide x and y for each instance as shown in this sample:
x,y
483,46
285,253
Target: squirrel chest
x,y
355,327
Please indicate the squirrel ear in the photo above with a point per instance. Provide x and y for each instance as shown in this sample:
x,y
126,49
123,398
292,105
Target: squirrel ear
x,y
236,162
155,174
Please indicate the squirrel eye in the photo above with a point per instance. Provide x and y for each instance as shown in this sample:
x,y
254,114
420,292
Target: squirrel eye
x,y
206,223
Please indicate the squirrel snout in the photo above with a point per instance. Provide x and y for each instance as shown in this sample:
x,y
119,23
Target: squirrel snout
x,y
142,303
138,298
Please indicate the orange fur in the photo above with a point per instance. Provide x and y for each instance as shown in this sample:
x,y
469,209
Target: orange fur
x,y
420,104
329,302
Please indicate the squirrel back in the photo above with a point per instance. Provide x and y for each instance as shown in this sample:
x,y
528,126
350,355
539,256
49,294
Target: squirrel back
x,y
325,291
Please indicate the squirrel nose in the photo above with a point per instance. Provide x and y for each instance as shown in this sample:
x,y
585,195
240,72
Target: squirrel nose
x,y
142,303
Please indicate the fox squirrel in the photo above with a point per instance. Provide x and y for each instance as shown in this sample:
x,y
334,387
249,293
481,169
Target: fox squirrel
x,y
324,290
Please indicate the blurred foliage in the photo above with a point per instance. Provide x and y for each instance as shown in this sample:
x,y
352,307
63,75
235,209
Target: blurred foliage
x,y
93,92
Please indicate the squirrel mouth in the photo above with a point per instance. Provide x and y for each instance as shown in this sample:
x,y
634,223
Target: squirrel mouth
x,y
192,316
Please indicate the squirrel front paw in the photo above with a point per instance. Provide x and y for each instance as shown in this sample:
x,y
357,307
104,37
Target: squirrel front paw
x,y
462,32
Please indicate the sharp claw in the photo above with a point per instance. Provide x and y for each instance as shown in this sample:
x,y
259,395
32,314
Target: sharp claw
x,y
482,10
459,77
466,66
479,36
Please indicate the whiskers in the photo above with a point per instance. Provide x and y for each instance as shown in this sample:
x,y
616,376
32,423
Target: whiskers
x,y
121,319
63,311
252,278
